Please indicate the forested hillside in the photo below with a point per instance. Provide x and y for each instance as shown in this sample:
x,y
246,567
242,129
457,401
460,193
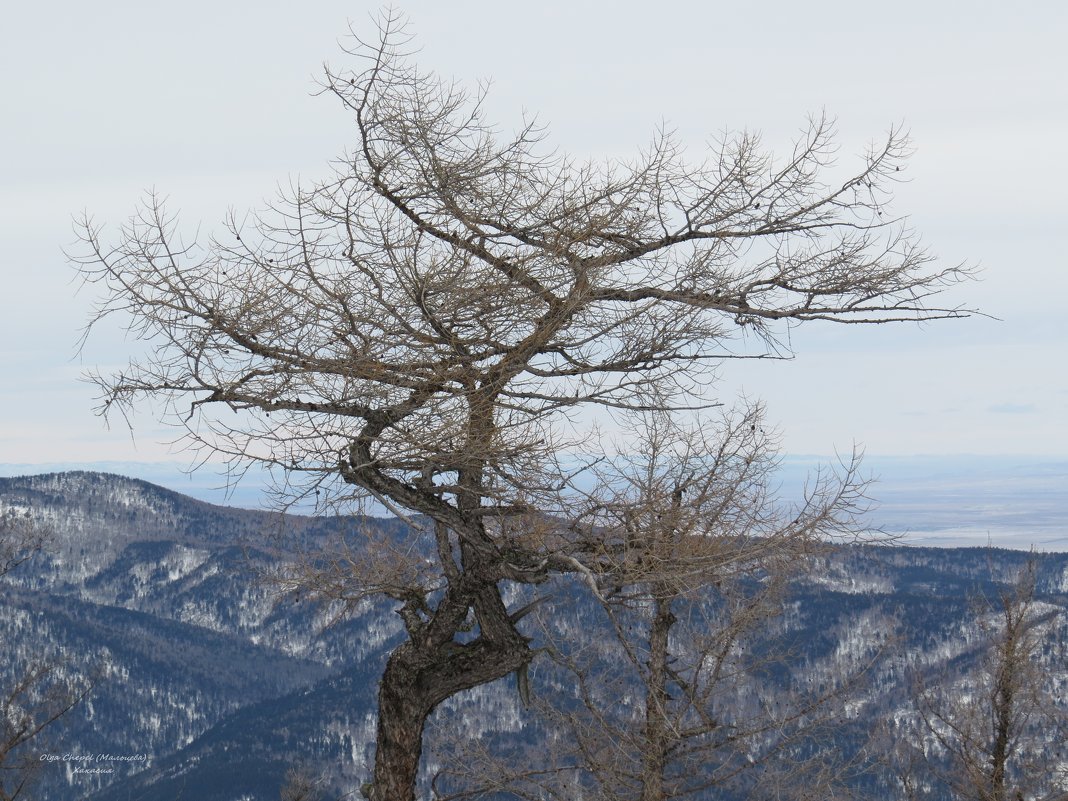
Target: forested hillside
x,y
224,683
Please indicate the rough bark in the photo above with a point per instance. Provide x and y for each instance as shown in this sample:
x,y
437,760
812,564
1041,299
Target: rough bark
x,y
413,684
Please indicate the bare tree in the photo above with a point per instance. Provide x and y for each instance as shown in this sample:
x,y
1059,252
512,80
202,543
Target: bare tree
x,y
691,554
994,734
41,693
435,327
304,782
705,557
299,785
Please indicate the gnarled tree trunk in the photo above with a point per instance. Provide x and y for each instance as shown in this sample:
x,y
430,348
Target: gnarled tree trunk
x,y
433,666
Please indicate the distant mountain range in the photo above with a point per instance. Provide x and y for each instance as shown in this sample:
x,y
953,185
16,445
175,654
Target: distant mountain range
x,y
945,501
223,684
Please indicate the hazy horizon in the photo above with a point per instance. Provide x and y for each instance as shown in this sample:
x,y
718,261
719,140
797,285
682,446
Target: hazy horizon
x,y
950,501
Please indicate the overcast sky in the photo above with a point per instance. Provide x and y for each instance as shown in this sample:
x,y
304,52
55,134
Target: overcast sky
x,y
211,104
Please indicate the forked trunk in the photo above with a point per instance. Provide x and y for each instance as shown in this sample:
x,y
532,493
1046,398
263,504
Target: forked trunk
x,y
420,675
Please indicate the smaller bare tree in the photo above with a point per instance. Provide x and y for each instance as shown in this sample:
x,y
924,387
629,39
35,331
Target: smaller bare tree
x,y
689,554
989,736
300,786
305,782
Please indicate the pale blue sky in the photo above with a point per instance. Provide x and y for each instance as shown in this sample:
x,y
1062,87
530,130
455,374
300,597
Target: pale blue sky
x,y
211,104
